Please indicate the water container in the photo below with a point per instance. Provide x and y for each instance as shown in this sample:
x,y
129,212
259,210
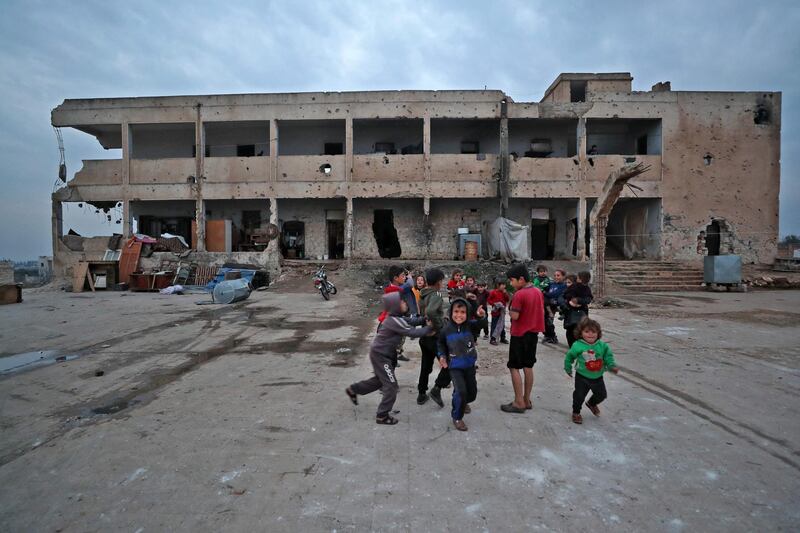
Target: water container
x,y
231,291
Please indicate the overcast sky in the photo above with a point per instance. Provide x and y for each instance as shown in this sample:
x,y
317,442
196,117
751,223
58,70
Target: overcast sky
x,y
50,51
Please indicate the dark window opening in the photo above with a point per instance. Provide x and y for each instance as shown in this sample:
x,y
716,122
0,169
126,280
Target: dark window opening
x,y
385,148
641,145
245,150
334,148
470,147
713,238
577,91
761,115
385,234
155,226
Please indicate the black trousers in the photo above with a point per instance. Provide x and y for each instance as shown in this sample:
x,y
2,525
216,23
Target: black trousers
x,y
481,324
549,324
428,347
570,334
465,390
582,387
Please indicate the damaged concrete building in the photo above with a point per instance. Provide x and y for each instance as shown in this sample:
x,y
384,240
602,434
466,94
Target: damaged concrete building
x,y
388,174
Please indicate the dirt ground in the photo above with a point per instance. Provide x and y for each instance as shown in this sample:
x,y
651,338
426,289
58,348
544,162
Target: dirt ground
x,y
155,413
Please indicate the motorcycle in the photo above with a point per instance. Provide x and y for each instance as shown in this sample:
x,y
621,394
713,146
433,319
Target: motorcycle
x,y
325,287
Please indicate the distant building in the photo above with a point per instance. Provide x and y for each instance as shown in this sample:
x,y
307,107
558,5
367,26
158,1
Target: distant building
x,y
396,173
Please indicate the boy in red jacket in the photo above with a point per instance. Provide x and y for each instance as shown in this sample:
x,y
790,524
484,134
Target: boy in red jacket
x,y
497,302
400,282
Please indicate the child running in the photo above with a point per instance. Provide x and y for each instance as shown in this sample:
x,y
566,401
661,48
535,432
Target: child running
x,y
383,355
591,358
432,308
457,353
399,281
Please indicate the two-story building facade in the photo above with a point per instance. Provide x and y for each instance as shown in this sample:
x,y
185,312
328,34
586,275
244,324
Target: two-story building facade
x,y
395,173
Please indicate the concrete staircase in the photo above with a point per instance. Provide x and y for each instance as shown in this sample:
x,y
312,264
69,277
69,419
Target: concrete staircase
x,y
647,276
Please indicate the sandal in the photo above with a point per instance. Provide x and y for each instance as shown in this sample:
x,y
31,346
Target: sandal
x,y
352,395
387,420
511,408
529,405
467,409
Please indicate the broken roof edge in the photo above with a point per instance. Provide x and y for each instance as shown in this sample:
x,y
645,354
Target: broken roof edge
x,y
583,76
311,97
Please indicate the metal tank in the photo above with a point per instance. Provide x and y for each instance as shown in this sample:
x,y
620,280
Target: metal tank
x,y
231,291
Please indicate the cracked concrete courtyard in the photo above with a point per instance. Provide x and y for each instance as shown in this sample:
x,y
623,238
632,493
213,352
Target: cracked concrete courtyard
x,y
174,416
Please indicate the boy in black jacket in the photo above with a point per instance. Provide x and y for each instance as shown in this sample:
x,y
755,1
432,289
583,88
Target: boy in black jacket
x,y
431,306
456,352
576,300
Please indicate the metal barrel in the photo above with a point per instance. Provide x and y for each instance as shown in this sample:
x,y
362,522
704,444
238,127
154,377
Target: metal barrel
x,y
231,291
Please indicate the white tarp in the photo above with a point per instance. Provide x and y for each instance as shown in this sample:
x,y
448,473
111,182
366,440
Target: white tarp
x,y
508,239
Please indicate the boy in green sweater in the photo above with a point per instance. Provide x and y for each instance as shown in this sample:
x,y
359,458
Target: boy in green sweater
x,y
591,357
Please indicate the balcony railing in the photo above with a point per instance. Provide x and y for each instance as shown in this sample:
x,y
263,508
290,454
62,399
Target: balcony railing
x,y
176,170
464,167
99,172
376,167
311,168
236,169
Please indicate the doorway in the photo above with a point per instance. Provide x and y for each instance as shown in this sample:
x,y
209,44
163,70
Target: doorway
x,y
385,234
336,239
543,239
713,238
293,240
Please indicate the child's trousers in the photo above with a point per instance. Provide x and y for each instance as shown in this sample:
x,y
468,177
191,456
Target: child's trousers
x,y
428,347
383,379
582,387
465,390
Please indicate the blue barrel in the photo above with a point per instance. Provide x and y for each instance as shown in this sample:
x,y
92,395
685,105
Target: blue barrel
x,y
231,291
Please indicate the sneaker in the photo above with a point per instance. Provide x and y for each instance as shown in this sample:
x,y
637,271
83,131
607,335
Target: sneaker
x,y
577,418
493,342
402,357
485,337
593,408
467,409
503,341
422,398
460,425
436,396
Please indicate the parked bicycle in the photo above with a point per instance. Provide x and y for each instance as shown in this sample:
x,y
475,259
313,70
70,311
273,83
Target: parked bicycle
x,y
325,287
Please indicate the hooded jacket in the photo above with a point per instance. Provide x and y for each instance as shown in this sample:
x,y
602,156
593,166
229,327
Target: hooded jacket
x,y
431,306
395,326
456,341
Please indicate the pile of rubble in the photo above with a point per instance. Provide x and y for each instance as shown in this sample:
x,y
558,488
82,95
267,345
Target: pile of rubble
x,y
771,282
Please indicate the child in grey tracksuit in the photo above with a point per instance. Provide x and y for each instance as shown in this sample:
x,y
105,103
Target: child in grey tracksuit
x,y
383,355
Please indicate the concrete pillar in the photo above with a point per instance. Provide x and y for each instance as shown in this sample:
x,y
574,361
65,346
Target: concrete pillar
x,y
427,226
126,180
348,230
581,255
57,225
273,150
200,204
126,155
348,150
503,185
426,147
273,247
581,139
126,219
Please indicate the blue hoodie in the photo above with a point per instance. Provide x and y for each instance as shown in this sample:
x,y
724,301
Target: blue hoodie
x,y
456,342
554,292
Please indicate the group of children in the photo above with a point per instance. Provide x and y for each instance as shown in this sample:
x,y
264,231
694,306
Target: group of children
x,y
413,306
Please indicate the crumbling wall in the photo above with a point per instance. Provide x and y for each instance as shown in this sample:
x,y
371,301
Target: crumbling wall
x,y
6,272
720,164
408,221
312,213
